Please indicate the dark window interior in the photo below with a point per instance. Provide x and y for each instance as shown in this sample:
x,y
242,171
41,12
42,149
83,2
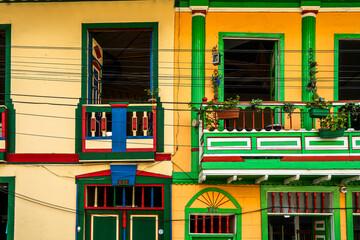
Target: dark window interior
x,y
3,209
126,64
2,67
248,69
349,69
356,227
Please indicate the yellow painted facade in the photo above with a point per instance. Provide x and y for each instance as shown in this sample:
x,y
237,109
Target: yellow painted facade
x,y
51,43
247,196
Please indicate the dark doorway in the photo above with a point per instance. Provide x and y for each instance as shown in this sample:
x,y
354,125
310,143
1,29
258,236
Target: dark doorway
x,y
349,69
250,69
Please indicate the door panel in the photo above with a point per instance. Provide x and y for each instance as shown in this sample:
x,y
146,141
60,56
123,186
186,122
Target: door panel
x,y
104,227
320,228
144,227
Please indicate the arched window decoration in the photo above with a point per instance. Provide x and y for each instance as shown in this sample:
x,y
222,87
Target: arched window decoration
x,y
213,211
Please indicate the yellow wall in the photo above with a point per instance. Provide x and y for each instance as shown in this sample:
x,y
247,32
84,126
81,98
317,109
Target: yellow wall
x,y
247,196
51,27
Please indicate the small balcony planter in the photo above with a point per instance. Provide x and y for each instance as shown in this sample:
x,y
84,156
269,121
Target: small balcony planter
x,y
318,112
328,133
227,113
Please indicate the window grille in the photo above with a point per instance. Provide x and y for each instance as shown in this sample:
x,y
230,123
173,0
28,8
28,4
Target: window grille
x,y
221,224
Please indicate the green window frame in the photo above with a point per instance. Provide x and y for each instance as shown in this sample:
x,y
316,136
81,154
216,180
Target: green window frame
x,y
279,84
276,188
349,210
236,211
338,37
84,53
11,205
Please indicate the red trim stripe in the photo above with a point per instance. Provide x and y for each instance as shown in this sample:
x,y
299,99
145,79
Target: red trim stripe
x,y
223,159
42,158
320,158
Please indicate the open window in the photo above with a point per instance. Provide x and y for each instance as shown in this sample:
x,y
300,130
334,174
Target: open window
x,y
120,64
349,69
251,68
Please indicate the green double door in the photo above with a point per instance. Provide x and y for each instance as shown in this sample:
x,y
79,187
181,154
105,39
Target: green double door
x,y
111,225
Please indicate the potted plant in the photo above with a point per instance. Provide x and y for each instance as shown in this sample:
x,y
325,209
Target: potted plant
x,y
215,80
255,104
333,125
151,94
289,108
353,108
228,110
213,111
319,107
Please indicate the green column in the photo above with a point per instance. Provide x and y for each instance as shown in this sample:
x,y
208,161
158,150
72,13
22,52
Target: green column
x,y
308,25
197,79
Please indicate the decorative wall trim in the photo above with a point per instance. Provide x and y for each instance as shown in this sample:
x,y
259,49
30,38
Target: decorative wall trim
x,y
316,143
279,143
234,143
42,158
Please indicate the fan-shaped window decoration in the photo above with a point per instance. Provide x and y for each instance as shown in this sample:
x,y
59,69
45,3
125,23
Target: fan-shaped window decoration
x,y
213,200
213,211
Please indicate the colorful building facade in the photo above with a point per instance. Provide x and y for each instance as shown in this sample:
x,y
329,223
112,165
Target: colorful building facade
x,y
265,173
98,141
84,157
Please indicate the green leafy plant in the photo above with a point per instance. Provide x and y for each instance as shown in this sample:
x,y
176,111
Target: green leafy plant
x,y
208,111
334,121
318,102
255,104
215,80
311,86
289,108
353,108
150,92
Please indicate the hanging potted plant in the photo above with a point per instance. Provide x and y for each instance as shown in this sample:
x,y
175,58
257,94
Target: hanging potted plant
x,y
319,107
215,80
333,125
228,110
213,111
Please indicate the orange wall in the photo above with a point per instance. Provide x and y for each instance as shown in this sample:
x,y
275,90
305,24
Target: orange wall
x,y
227,22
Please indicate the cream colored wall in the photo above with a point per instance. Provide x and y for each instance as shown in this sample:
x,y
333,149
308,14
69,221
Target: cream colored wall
x,y
247,196
55,30
54,184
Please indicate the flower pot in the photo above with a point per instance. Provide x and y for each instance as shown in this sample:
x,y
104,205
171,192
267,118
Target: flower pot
x,y
318,112
227,113
327,133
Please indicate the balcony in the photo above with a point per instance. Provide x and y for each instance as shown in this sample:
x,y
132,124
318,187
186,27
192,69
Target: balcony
x,y
120,129
270,132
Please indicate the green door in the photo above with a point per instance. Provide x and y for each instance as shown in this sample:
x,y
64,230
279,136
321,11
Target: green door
x,y
104,227
320,228
144,227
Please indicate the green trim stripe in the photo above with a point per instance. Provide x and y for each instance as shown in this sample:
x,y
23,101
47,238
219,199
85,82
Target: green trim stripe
x,y
222,144
279,143
326,143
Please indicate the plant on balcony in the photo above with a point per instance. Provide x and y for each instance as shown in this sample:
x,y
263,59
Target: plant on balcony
x,y
333,125
211,110
151,93
311,86
319,107
215,80
255,104
289,108
353,108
